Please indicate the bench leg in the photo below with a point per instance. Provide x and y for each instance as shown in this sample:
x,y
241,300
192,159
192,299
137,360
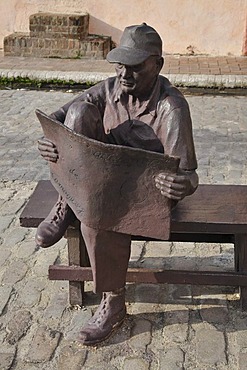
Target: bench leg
x,y
77,255
241,265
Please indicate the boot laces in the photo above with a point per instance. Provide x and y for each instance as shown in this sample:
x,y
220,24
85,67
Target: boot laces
x,y
60,211
99,315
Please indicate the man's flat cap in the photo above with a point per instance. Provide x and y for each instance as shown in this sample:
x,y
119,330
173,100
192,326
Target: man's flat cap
x,y
136,45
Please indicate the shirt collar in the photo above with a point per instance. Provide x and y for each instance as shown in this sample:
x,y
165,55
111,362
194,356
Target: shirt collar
x,y
150,104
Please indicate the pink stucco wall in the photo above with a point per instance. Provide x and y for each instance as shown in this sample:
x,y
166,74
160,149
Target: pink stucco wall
x,y
199,26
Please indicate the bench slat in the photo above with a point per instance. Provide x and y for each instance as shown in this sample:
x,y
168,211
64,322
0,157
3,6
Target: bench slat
x,y
153,276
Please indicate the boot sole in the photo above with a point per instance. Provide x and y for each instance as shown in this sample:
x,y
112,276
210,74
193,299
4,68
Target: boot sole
x,y
116,326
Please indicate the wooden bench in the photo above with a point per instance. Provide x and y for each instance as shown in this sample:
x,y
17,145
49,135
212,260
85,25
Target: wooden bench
x,y
214,213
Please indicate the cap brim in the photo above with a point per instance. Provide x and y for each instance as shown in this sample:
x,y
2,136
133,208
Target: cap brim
x,y
127,56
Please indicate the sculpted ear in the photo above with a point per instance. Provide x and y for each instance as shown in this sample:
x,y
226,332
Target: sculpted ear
x,y
160,63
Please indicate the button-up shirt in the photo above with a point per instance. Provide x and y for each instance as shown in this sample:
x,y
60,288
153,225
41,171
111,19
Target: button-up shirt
x,y
162,123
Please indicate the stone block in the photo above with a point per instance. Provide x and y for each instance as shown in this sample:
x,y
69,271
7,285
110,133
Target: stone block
x,y
15,272
30,293
172,359
7,356
78,320
210,351
18,326
44,344
72,357
141,334
135,363
5,293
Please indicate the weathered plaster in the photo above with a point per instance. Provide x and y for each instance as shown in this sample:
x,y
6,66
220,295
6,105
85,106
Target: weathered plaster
x,y
186,26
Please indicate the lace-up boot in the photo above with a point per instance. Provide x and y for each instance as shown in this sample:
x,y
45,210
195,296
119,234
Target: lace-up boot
x,y
53,228
109,315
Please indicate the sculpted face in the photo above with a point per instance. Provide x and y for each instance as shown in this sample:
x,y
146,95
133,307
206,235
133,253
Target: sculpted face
x,y
138,80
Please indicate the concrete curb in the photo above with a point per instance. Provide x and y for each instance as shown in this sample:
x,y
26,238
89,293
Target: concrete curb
x,y
209,81
183,80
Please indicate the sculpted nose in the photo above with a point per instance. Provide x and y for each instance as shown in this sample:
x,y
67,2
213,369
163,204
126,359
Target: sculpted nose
x,y
126,72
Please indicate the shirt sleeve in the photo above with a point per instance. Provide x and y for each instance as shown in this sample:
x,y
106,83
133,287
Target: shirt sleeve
x,y
176,135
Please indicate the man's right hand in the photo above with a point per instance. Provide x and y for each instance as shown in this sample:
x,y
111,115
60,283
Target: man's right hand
x,y
48,150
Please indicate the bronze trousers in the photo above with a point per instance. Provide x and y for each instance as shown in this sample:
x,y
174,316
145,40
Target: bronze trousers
x,y
108,251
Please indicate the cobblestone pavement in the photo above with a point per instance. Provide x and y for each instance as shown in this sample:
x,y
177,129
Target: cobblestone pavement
x,y
169,327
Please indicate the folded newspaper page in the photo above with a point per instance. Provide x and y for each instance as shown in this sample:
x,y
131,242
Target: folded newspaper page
x,y
110,187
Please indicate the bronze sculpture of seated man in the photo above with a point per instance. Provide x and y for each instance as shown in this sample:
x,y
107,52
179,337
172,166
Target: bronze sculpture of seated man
x,y
137,108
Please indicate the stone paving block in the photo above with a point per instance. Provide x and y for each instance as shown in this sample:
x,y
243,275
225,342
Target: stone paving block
x,y
22,365
4,255
176,324
30,294
12,206
210,352
157,343
56,306
121,337
101,366
26,249
242,360
7,356
5,221
141,334
135,363
176,333
44,343
14,173
102,357
78,320
15,272
18,326
241,338
235,346
52,288
44,259
172,359
5,293
72,357
14,236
